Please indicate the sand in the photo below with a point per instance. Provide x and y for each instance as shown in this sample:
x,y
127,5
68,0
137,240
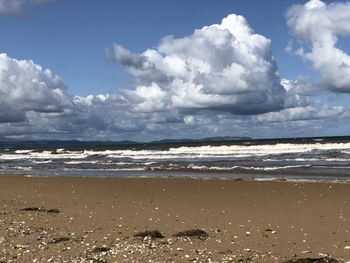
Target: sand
x,y
95,220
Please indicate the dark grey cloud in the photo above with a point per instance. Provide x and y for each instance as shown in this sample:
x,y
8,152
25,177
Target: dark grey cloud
x,y
138,65
9,114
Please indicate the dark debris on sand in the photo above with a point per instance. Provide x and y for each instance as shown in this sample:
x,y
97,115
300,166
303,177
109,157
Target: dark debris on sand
x,y
53,211
33,209
41,209
197,233
101,249
97,260
315,260
152,234
59,240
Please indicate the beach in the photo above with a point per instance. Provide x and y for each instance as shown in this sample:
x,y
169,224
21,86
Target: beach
x,y
64,219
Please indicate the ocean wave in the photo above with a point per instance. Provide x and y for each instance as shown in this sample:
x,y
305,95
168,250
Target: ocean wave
x,y
252,168
192,152
320,159
41,155
223,151
23,168
23,151
203,168
108,169
83,162
42,162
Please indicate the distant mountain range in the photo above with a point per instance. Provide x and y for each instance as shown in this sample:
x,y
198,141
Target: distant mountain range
x,y
208,139
222,140
77,143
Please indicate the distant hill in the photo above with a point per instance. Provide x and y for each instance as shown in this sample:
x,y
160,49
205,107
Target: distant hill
x,y
125,144
209,139
59,144
16,144
224,138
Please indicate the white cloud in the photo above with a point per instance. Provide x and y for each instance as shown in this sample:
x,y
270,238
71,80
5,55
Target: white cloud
x,y
15,7
34,103
221,80
319,26
29,87
310,112
10,7
222,67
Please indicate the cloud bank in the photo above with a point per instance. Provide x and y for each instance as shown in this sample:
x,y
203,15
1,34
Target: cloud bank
x,y
34,101
220,80
318,27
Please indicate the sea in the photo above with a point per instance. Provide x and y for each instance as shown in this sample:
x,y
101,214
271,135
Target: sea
x,y
307,159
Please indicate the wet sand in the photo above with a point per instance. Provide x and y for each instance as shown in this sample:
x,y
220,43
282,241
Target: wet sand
x,y
95,220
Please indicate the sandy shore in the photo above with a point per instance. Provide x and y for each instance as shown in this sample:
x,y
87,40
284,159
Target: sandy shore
x,y
95,220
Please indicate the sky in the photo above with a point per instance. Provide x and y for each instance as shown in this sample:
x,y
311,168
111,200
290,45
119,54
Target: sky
x,y
148,70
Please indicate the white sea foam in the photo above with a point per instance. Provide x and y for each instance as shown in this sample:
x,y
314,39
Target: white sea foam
x,y
271,168
82,162
321,158
23,151
109,169
41,155
223,151
23,168
45,161
194,152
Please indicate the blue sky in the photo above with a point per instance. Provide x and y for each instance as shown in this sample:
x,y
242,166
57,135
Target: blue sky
x,y
189,85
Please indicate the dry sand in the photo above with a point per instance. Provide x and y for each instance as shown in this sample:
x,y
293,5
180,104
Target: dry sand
x,y
97,219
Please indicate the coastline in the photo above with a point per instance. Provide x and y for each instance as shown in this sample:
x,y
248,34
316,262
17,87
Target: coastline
x,y
202,175
267,221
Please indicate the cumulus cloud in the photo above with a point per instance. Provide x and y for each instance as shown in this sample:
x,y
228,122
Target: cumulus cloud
x,y
15,7
310,112
29,87
223,67
221,77
318,27
220,80
34,103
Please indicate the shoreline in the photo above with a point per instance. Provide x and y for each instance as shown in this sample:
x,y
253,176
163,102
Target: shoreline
x,y
97,219
187,176
262,177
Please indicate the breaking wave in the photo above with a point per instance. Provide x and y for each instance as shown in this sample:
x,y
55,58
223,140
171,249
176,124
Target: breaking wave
x,y
317,157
